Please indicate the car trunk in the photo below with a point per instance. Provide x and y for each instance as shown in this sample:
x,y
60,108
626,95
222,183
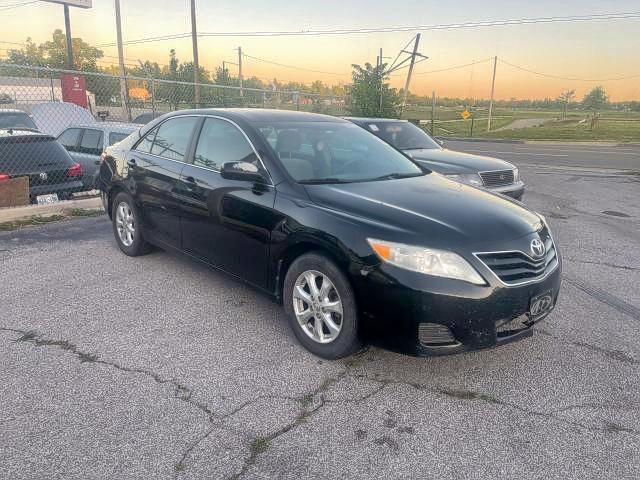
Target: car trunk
x,y
42,159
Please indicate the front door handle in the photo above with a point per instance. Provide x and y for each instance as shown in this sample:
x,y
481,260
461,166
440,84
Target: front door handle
x,y
190,179
131,162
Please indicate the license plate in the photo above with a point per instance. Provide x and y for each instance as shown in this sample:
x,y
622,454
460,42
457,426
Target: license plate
x,y
47,199
541,305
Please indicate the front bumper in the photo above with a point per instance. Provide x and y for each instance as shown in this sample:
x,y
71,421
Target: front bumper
x,y
397,304
515,190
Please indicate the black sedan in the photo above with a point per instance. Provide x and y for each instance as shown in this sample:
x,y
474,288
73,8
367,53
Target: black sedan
x,y
477,170
355,239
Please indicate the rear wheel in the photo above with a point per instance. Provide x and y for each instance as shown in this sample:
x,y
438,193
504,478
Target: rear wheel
x,y
320,306
126,227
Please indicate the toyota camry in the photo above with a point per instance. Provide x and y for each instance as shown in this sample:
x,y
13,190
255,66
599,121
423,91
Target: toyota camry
x,y
356,240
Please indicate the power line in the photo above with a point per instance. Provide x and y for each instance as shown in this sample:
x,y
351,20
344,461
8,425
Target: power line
x,y
454,67
405,28
576,79
294,67
16,5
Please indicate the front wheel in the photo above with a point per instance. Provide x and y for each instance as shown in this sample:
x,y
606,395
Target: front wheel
x,y
321,307
126,226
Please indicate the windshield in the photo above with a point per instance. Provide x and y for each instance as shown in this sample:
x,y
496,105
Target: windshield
x,y
402,135
16,120
334,152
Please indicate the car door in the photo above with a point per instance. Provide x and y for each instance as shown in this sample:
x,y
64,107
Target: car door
x,y
155,164
88,154
226,223
70,139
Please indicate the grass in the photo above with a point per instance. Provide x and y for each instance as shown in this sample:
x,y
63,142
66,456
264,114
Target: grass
x,y
41,220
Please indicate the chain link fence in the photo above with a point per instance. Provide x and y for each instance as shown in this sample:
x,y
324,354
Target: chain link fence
x,y
55,124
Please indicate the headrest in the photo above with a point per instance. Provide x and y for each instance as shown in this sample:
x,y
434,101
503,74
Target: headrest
x,y
288,141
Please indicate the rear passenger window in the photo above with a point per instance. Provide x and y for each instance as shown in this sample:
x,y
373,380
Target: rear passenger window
x,y
221,142
69,138
173,137
145,144
91,142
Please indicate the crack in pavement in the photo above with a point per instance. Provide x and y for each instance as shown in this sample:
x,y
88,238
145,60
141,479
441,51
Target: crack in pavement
x,y
618,355
310,403
606,264
605,297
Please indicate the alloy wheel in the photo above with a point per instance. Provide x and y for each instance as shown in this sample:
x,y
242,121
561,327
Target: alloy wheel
x,y
125,224
317,306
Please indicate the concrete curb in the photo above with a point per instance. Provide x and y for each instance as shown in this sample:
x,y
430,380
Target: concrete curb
x,y
11,214
481,140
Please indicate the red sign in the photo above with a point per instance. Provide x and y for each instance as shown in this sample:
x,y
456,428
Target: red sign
x,y
74,89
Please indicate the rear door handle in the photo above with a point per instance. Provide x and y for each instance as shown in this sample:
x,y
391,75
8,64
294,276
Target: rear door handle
x,y
190,179
131,162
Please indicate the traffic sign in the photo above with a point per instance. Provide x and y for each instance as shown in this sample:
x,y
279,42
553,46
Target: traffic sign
x,y
465,115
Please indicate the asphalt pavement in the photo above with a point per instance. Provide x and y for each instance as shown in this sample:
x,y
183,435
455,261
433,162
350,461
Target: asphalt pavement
x,y
587,155
155,367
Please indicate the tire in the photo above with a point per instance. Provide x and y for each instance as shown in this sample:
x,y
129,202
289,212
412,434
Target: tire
x,y
331,345
137,245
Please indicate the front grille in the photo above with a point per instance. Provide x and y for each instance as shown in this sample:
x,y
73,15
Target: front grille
x,y
497,178
516,267
435,334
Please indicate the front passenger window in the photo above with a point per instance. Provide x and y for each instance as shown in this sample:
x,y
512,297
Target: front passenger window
x,y
221,142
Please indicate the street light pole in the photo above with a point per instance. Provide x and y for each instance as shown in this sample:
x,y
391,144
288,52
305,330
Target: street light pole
x,y
123,81
67,28
493,87
196,65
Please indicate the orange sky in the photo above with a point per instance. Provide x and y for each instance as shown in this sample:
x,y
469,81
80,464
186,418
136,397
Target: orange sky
x,y
589,50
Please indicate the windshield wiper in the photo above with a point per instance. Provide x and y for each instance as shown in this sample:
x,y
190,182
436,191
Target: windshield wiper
x,y
394,176
314,181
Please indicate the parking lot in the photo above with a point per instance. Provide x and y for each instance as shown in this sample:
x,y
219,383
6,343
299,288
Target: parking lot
x,y
155,367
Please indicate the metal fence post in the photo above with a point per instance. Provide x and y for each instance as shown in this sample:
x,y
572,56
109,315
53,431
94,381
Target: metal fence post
x,y
153,98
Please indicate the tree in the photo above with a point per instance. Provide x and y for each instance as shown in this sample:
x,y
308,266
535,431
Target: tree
x,y
596,99
366,91
53,53
565,98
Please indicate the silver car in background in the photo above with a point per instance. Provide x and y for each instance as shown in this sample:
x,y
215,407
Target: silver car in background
x,y
85,143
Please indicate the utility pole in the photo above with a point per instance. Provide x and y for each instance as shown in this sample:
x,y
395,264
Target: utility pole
x,y
67,28
196,65
240,70
433,111
493,87
413,61
380,63
123,81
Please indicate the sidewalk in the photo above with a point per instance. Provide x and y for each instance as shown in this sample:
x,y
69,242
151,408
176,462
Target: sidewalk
x,y
12,214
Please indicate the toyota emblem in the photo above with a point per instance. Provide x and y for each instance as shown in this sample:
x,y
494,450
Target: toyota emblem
x,y
541,305
43,176
537,247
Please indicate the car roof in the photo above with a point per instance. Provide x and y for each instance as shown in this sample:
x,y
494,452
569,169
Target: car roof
x,y
129,127
262,115
20,132
373,120
11,110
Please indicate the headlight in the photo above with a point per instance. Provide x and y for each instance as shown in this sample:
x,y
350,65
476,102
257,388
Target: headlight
x,y
439,263
516,175
468,178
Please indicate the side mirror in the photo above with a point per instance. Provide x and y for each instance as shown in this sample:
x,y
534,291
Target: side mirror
x,y
439,141
244,171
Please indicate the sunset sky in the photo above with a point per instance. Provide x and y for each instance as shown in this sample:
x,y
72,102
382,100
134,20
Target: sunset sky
x,y
587,50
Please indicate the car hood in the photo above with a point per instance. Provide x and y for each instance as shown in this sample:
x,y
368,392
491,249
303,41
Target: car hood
x,y
430,210
449,161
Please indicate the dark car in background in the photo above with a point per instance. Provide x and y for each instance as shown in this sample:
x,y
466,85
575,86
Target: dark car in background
x,y
85,143
12,118
493,174
25,153
146,117
356,240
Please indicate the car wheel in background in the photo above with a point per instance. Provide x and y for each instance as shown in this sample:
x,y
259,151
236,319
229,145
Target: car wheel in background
x,y
321,307
126,226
